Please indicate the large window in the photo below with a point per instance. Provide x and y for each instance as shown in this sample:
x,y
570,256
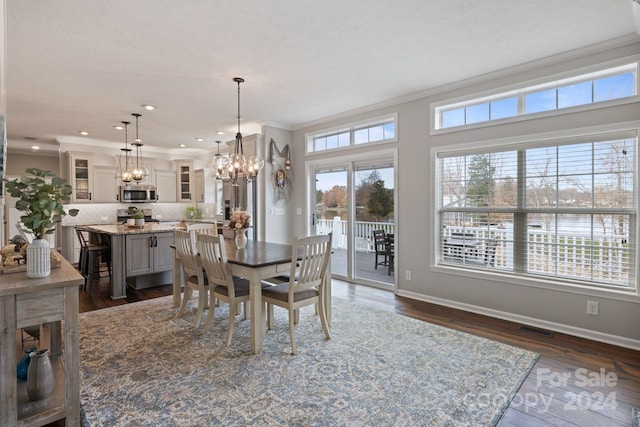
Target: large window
x,y
375,130
562,210
580,91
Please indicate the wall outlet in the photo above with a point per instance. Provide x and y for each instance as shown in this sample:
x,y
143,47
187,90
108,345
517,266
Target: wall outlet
x,y
158,216
299,211
592,308
407,274
104,218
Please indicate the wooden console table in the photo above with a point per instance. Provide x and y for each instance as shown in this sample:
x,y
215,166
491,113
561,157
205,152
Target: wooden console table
x,y
28,302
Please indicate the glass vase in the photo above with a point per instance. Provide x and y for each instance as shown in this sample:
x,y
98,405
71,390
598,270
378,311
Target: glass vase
x,y
241,238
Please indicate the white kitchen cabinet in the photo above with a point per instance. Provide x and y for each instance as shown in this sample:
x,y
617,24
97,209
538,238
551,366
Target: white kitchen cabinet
x,y
80,176
166,183
105,185
204,188
185,180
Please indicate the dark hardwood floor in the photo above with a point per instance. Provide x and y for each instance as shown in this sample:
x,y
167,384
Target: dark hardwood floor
x,y
575,382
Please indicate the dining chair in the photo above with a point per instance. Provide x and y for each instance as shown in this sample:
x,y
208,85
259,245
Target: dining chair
x,y
224,286
379,246
202,228
390,248
193,273
305,285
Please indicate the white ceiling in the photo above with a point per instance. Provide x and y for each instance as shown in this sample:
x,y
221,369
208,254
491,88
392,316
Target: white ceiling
x,y
86,65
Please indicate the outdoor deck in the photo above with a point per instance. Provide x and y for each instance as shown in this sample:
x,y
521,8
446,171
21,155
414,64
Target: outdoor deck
x,y
364,266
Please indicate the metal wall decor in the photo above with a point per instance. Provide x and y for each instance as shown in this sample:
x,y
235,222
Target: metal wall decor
x,y
282,174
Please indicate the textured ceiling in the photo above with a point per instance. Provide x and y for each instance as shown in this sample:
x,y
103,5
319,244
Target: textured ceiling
x,y
76,65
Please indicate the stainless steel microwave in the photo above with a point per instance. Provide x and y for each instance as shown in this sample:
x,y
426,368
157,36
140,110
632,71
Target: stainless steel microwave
x,y
138,194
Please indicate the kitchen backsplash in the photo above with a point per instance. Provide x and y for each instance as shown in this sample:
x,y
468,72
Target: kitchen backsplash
x,y
105,213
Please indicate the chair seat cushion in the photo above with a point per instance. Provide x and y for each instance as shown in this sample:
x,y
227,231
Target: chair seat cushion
x,y
281,293
194,280
240,285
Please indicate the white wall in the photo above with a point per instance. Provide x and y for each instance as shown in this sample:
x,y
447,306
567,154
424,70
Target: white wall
x,y
277,213
562,310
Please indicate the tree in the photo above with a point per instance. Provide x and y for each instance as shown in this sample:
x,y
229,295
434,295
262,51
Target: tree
x,y
479,186
336,197
380,203
319,196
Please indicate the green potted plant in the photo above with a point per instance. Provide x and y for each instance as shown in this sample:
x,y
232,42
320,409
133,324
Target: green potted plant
x,y
40,196
137,215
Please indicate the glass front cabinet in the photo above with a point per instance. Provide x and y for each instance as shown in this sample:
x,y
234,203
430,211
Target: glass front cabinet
x,y
80,176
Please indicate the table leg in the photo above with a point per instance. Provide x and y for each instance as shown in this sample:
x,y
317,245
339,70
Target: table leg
x,y
255,290
9,384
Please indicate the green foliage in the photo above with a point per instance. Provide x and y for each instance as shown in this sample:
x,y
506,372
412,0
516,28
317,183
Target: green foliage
x,y
41,201
193,211
481,174
380,203
135,213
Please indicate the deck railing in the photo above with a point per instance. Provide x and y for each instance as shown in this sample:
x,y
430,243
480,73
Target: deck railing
x,y
601,258
363,232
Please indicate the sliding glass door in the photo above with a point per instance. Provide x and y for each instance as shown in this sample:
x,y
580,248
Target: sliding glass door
x,y
352,199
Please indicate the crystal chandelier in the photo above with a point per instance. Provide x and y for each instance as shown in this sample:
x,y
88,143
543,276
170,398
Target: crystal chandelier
x,y
236,166
123,172
140,172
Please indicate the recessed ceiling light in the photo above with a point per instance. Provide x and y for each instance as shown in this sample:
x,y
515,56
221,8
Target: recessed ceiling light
x,y
118,127
148,107
183,145
83,132
199,139
220,132
35,147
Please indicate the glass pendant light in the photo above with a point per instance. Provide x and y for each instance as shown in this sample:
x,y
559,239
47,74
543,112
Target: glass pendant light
x,y
140,172
123,172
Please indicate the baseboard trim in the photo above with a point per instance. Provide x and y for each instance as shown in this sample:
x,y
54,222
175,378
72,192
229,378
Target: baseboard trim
x,y
544,324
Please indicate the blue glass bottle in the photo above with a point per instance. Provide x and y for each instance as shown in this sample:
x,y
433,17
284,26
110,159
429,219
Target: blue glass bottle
x,y
23,364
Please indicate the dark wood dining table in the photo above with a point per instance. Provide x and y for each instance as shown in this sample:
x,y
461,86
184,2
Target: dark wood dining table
x,y
258,261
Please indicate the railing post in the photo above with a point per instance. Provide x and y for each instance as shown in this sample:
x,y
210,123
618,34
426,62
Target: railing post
x,y
337,232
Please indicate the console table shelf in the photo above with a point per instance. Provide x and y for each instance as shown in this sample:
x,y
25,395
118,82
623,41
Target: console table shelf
x,y
52,301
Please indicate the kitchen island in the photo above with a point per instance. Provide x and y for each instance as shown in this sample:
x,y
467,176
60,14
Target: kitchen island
x,y
141,254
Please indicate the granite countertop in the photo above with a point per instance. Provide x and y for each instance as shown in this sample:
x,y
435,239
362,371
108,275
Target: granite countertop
x,y
120,229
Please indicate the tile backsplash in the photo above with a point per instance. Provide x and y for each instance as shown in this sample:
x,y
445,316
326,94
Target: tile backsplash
x,y
104,213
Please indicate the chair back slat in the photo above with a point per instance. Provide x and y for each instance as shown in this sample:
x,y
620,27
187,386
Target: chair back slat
x,y
315,252
214,260
184,250
204,228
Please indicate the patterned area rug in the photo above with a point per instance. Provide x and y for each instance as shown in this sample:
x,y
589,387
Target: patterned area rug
x,y
141,367
635,415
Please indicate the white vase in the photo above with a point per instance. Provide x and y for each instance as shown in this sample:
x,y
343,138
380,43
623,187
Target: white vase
x,y
39,375
139,221
131,221
38,259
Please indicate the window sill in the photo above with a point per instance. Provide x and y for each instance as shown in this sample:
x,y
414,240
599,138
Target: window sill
x,y
630,295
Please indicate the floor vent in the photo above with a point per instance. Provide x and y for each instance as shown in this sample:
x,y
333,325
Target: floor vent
x,y
536,331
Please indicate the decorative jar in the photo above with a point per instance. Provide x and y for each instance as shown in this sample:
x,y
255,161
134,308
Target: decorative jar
x,y
39,375
38,259
241,238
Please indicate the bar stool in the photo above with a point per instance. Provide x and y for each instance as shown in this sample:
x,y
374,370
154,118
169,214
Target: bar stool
x,y
90,256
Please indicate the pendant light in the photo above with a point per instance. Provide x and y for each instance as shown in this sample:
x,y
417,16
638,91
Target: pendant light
x,y
123,172
220,163
238,166
140,172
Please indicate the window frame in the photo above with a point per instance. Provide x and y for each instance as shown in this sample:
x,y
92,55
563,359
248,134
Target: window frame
x,y
632,292
351,129
522,89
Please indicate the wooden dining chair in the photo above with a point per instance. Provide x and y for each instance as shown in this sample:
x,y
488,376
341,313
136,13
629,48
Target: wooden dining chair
x,y
193,272
224,286
306,283
91,254
390,248
379,247
201,228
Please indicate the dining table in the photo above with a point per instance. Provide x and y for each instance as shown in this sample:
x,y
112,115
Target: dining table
x,y
259,260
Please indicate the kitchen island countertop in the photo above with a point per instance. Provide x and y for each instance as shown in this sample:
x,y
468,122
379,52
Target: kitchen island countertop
x,y
121,229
